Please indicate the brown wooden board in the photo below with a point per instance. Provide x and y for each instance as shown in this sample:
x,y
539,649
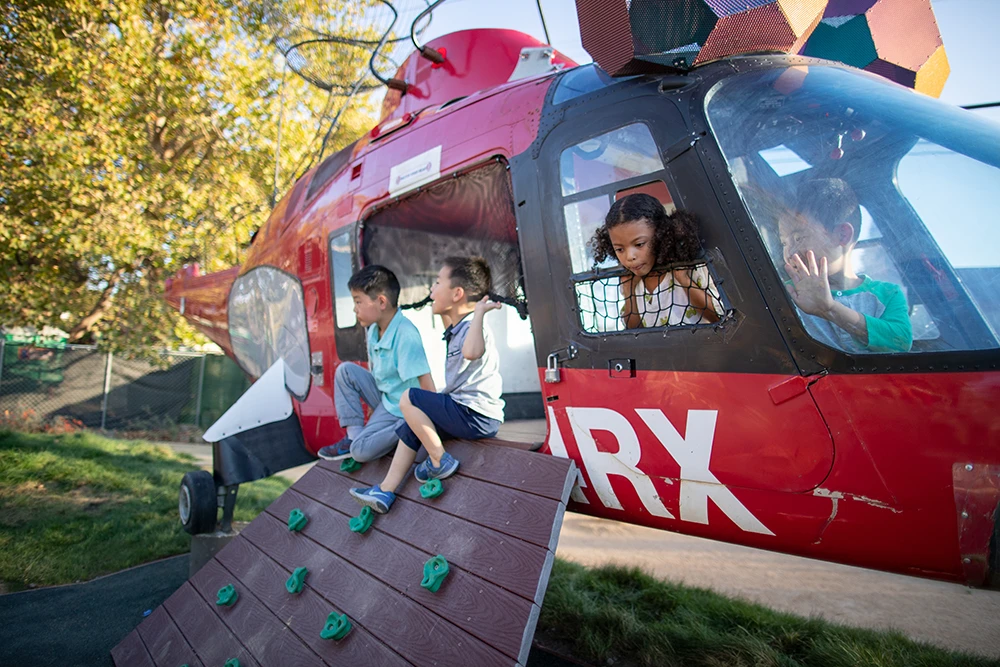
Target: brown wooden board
x,y
516,469
522,515
270,641
502,559
165,643
203,630
497,442
302,611
131,651
479,607
497,524
411,630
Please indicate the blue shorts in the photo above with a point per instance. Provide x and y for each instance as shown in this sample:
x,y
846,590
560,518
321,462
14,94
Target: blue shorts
x,y
450,419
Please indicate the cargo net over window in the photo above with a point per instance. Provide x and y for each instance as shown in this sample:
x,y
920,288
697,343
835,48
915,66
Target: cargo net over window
x,y
676,296
471,214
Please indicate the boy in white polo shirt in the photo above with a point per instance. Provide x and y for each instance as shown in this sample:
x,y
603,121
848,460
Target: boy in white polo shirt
x,y
470,406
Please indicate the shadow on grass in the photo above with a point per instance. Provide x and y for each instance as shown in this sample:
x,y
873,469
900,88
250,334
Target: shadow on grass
x,y
628,617
73,507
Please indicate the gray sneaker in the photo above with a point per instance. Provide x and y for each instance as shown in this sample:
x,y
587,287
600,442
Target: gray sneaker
x,y
337,451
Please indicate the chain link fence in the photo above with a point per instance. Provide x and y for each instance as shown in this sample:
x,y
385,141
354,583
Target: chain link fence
x,y
101,390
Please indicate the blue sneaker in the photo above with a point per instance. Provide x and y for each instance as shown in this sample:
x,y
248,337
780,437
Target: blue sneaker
x,y
374,497
426,471
337,451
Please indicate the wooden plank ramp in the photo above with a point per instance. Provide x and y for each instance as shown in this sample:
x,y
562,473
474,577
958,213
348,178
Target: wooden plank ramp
x,y
497,524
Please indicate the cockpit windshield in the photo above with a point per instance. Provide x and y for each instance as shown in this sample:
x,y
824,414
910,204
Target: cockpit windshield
x,y
884,197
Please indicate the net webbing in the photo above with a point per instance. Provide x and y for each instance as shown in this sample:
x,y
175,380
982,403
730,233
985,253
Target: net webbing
x,y
675,296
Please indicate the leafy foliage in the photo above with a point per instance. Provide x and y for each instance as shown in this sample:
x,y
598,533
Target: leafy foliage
x,y
140,135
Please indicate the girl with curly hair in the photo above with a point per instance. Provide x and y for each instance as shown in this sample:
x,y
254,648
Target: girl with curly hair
x,y
639,233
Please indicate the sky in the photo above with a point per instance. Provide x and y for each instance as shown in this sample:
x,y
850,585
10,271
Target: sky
x,y
968,29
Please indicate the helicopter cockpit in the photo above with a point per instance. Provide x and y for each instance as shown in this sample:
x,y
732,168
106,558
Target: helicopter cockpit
x,y
925,176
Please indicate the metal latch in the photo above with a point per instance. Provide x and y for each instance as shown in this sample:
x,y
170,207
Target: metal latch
x,y
621,368
552,374
316,368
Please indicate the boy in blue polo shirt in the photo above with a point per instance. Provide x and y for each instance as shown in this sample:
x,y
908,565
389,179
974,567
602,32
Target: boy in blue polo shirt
x,y
396,363
470,406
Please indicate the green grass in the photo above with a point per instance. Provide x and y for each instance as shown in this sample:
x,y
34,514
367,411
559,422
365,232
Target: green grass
x,y
76,506
623,615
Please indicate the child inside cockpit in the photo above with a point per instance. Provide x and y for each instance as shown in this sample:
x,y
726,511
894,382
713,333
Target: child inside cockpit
x,y
840,308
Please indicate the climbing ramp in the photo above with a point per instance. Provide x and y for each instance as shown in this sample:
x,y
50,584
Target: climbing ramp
x,y
486,543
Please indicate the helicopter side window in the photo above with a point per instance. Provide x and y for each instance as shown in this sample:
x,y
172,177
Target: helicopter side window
x,y
895,190
267,321
594,174
342,268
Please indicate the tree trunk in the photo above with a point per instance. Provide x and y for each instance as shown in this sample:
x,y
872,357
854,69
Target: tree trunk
x,y
98,311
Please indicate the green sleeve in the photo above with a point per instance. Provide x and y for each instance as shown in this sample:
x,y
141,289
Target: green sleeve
x,y
892,331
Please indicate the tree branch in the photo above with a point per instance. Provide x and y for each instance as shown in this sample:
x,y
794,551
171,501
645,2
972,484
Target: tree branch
x,y
99,309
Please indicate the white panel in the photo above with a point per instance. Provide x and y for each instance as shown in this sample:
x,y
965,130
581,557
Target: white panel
x,y
265,402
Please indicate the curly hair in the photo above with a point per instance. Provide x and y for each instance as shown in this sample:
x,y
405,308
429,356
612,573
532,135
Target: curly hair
x,y
675,236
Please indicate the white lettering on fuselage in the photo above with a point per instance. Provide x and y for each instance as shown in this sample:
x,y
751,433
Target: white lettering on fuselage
x,y
692,452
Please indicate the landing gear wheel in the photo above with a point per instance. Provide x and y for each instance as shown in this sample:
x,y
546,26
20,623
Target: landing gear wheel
x,y
197,502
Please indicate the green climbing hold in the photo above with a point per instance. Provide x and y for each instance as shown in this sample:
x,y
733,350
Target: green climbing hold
x,y
349,465
435,570
227,596
432,489
296,581
337,626
297,520
232,662
362,522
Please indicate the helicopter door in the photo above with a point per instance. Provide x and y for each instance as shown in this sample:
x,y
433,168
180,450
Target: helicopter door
x,y
671,397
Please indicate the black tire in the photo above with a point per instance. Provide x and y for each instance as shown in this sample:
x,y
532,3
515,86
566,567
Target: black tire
x,y
197,502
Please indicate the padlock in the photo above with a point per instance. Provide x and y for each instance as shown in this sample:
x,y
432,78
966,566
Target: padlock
x,y
552,369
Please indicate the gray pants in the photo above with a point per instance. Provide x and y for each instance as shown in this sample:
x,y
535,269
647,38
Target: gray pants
x,y
353,384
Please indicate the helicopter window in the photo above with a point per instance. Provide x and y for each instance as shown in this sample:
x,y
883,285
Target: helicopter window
x,y
342,268
267,321
329,169
897,190
582,80
600,300
623,153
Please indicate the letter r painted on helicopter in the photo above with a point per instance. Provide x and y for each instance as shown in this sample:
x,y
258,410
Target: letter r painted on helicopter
x,y
692,452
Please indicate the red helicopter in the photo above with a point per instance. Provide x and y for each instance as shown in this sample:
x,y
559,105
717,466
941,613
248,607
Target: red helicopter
x,y
753,428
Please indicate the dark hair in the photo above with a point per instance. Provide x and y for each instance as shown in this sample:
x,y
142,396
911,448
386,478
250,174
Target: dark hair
x,y
675,236
830,202
373,280
471,274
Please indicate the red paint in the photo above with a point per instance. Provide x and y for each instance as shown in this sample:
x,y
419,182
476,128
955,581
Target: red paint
x,y
479,60
896,478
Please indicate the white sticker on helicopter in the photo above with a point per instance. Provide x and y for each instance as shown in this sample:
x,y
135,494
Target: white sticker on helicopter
x,y
416,171
693,452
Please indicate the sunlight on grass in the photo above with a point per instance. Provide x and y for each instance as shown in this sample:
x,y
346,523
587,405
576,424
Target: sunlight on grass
x,y
75,506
